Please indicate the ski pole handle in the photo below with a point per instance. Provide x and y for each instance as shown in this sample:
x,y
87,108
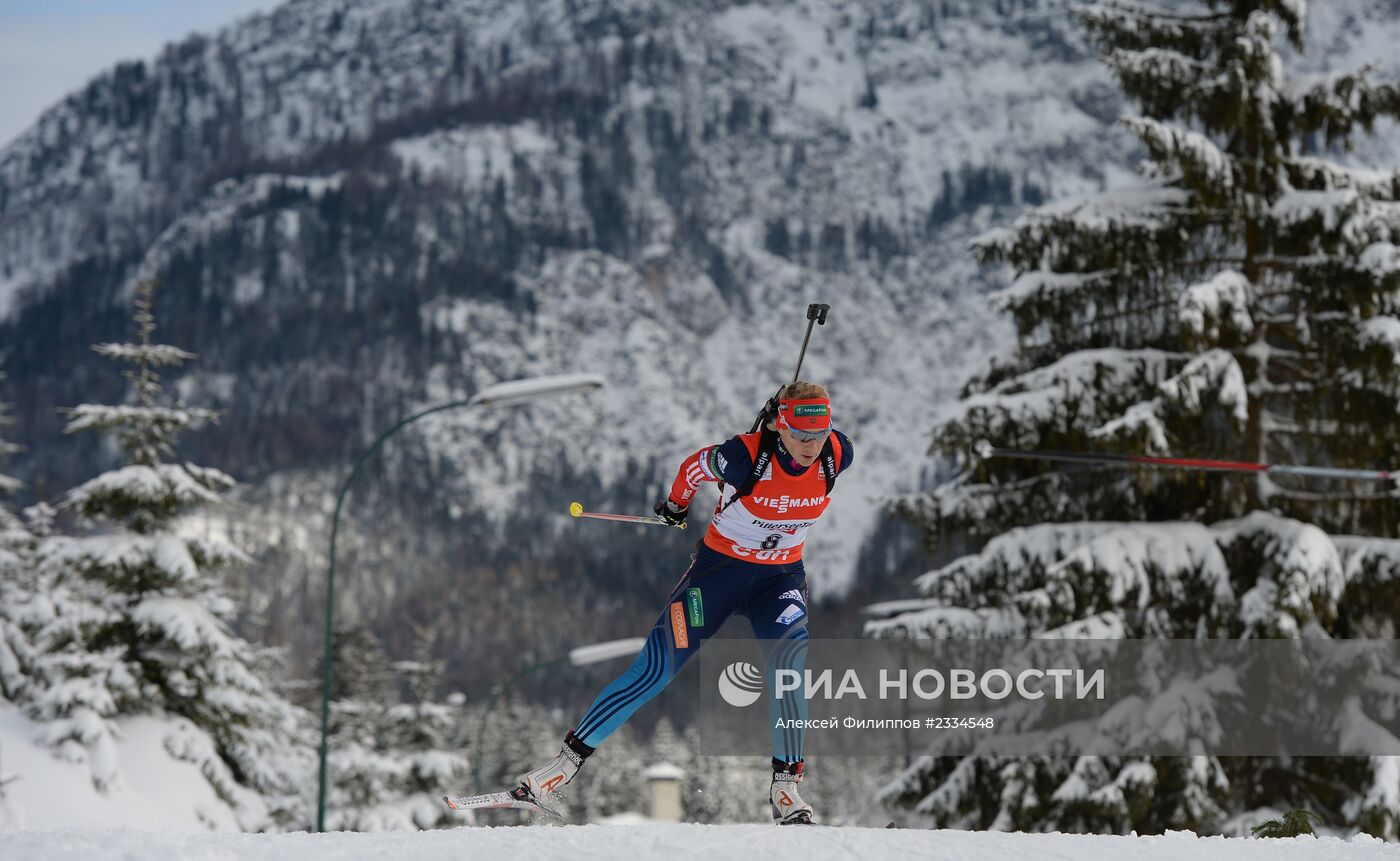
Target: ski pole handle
x,y
576,509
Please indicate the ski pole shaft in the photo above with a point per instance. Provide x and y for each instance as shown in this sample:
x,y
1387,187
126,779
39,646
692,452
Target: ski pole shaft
x,y
576,509
816,314
1196,463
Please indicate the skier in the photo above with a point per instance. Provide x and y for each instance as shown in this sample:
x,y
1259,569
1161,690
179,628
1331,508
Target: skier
x,y
774,484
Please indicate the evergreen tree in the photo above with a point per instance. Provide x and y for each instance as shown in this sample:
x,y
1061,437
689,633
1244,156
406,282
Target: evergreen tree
x,y
726,788
17,659
614,785
391,761
135,621
1242,301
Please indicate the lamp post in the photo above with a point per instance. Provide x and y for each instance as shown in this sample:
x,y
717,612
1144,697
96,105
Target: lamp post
x,y
501,394
579,657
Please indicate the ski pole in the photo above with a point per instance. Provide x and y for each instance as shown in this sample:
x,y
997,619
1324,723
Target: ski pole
x,y
987,451
576,509
815,314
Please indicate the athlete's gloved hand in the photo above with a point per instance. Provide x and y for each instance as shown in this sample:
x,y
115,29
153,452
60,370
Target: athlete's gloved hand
x,y
673,514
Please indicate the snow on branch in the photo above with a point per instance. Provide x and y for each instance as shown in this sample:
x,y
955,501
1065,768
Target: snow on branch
x,y
1293,12
1327,207
1381,259
1382,332
950,623
1373,561
1145,210
139,496
1160,571
1102,626
1357,219
1212,379
1340,103
129,417
1136,26
1300,576
186,623
149,354
1160,65
981,510
1038,285
1226,298
1323,175
1186,709
1088,386
1013,562
1142,423
1359,734
1203,165
155,485
165,559
1370,278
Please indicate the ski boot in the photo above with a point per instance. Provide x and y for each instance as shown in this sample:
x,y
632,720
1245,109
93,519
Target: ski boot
x,y
788,806
537,786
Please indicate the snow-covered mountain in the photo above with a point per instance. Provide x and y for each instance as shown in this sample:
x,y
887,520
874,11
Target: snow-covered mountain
x,y
359,208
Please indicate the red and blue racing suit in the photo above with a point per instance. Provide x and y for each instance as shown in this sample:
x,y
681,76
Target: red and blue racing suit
x,y
749,562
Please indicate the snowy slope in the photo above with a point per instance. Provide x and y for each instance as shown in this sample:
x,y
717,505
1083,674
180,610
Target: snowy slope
x,y
157,791
726,842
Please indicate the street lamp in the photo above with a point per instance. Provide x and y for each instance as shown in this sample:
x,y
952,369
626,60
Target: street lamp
x,y
500,394
578,657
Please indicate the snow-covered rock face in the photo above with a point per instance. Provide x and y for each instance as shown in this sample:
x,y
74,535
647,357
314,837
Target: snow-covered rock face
x,y
415,200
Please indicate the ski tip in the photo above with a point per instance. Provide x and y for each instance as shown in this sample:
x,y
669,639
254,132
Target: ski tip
x,y
447,799
576,509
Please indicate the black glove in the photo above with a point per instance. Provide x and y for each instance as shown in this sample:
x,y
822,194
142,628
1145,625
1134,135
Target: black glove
x,y
673,514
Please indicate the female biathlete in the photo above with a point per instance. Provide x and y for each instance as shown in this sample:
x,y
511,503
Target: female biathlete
x,y
775,483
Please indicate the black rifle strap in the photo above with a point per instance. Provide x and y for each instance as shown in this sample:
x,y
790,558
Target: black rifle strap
x,y
767,447
829,461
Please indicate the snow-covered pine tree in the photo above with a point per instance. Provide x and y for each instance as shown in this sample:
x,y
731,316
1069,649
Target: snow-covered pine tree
x,y
426,734
391,761
17,660
613,786
135,620
1243,302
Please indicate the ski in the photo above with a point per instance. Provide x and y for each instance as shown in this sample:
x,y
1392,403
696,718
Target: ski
x,y
510,799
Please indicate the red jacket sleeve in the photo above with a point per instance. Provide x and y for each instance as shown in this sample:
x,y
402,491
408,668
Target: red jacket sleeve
x,y
728,461
695,470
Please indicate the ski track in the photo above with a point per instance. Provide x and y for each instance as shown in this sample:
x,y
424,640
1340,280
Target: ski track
x,y
673,841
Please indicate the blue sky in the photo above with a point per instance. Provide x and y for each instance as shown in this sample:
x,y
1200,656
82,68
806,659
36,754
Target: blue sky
x,y
48,48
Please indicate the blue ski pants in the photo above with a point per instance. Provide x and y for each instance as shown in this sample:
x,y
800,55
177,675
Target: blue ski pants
x,y
772,597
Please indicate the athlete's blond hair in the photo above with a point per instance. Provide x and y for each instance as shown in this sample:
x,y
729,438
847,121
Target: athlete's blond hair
x,y
797,391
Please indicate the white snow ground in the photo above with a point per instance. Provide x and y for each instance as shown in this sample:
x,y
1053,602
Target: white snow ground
x,y
154,790
608,843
